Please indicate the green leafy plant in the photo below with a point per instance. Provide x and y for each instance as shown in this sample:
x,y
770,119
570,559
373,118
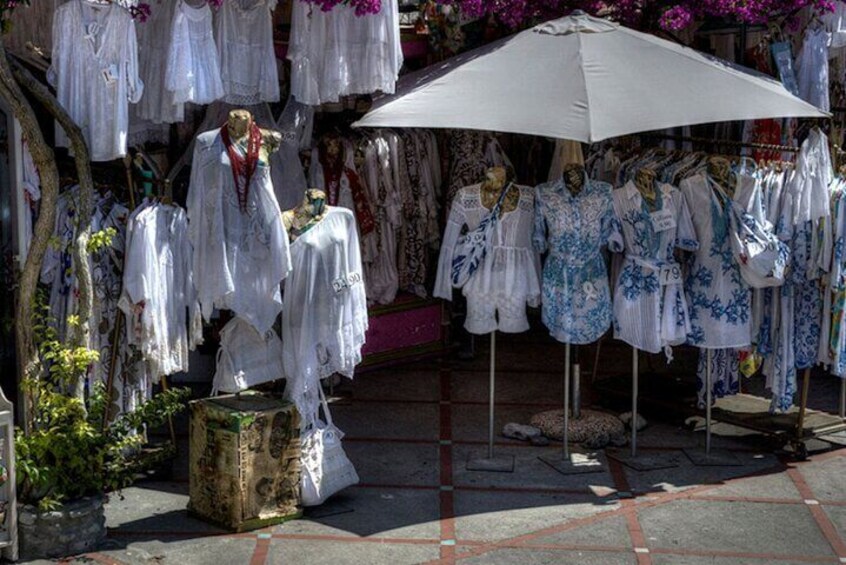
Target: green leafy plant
x,y
68,453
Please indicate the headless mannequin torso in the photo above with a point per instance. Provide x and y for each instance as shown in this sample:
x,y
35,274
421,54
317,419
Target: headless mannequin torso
x,y
645,183
491,190
307,215
574,178
239,124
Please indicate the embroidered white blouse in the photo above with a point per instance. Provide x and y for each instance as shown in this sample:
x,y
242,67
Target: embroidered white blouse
x,y
193,66
95,71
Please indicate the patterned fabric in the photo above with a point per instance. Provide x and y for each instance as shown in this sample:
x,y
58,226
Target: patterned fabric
x,y
574,229
650,309
720,300
472,248
725,374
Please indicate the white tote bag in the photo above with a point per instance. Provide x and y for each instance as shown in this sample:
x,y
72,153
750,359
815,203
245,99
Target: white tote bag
x,y
326,469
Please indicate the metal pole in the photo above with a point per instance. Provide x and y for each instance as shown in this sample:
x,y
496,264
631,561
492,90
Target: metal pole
x,y
708,399
634,401
577,385
566,431
803,406
843,398
492,397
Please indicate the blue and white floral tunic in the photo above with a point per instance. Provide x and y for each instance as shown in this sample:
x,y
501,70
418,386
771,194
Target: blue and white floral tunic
x,y
574,229
650,309
719,298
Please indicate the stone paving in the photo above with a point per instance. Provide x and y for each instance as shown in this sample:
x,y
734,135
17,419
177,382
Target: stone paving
x,y
410,432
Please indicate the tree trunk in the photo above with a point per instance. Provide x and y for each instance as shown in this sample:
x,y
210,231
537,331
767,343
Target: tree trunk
x,y
82,269
45,162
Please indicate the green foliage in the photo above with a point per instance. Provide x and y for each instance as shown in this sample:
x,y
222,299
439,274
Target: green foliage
x,y
67,453
101,239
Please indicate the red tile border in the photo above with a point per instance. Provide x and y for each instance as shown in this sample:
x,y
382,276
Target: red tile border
x,y
819,514
742,555
261,551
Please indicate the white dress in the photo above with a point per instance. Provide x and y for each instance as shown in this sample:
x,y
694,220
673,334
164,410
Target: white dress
x,y
337,53
650,308
240,258
246,358
95,71
157,280
193,65
812,67
244,36
158,105
325,316
508,278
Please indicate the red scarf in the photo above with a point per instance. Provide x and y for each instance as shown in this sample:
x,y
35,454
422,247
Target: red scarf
x,y
243,168
332,173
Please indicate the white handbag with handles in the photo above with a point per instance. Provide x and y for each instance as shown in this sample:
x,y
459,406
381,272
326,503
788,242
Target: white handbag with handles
x,y
326,469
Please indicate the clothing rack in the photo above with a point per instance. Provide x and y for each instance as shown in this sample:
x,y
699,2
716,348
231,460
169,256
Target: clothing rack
x,y
725,142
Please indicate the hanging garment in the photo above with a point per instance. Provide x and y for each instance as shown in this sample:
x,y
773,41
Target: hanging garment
x,y
336,53
240,255
719,299
574,230
289,180
193,66
31,181
325,316
812,68
508,277
650,308
158,282
835,23
95,72
244,36
246,358
158,105
725,375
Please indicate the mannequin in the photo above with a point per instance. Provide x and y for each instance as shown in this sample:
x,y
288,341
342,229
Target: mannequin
x,y
719,170
239,124
491,189
574,177
307,215
645,183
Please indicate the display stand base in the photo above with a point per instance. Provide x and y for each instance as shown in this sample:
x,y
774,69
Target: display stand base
x,y
498,464
717,458
576,464
645,462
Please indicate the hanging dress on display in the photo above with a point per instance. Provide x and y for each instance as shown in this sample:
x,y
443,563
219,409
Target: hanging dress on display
x,y
325,316
650,308
193,65
95,72
812,68
241,252
574,230
508,278
244,36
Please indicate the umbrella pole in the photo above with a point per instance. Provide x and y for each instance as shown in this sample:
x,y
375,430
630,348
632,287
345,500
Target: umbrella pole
x,y
634,400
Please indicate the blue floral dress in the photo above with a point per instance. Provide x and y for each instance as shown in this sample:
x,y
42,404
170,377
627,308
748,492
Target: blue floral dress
x,y
650,309
574,230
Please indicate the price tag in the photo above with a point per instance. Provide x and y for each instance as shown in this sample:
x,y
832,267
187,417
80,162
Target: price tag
x,y
663,220
110,74
670,274
342,283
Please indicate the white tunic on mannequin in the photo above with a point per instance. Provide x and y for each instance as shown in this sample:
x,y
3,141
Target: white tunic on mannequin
x,y
247,55
240,258
325,316
95,71
193,65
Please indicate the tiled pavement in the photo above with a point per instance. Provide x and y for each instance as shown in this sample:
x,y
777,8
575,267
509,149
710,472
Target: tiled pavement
x,y
410,432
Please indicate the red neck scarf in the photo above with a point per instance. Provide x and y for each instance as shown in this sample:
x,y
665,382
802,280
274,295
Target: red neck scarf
x,y
243,167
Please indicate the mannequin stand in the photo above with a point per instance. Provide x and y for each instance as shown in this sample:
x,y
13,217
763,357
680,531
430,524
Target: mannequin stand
x,y
711,457
565,462
491,464
640,462
843,399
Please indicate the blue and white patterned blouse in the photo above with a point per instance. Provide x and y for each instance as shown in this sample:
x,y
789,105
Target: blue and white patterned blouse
x,y
719,298
574,229
650,309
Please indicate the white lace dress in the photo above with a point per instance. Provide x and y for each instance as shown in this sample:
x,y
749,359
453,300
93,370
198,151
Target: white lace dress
x,y
337,53
247,57
193,65
508,278
812,67
95,72
240,258
325,316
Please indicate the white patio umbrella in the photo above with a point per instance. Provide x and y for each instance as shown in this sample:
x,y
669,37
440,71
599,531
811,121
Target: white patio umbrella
x,y
585,79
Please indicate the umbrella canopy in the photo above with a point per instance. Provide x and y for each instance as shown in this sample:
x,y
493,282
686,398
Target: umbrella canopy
x,y
585,79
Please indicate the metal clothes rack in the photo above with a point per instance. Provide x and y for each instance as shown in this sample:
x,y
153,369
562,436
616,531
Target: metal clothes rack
x,y
752,412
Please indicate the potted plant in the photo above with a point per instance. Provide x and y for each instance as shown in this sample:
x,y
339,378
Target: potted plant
x,y
69,460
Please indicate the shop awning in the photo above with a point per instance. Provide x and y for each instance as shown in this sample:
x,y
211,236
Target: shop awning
x,y
586,79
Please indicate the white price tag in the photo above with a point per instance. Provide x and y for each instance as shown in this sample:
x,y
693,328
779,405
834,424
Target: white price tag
x,y
670,274
110,74
663,220
342,283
